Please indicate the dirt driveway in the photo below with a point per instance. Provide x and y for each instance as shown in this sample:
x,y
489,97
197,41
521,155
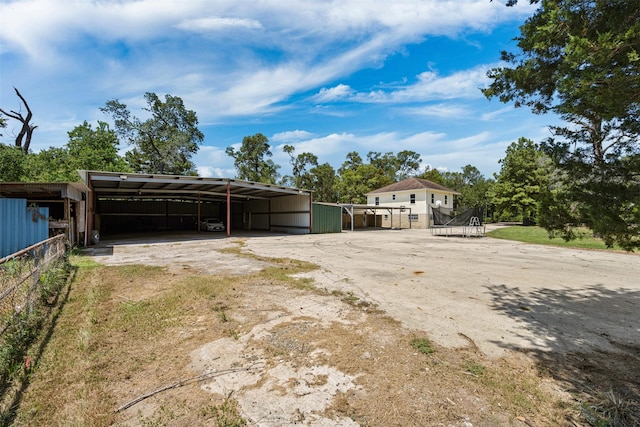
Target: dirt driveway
x,y
573,311
502,294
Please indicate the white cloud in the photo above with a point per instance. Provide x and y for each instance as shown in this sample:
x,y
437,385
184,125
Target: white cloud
x,y
292,135
431,86
438,110
497,114
215,23
213,172
335,93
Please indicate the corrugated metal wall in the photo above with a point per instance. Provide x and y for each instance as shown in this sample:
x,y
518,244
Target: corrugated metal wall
x,y
21,227
256,215
287,214
326,219
290,214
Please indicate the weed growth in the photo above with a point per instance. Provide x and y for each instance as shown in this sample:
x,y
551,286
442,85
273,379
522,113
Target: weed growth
x,y
423,345
610,410
474,368
20,331
226,414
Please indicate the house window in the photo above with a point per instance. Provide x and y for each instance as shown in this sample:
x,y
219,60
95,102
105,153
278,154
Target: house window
x,y
413,217
413,199
433,198
386,217
393,197
377,201
445,200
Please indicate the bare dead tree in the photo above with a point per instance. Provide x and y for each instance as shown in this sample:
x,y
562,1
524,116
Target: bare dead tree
x,y
27,129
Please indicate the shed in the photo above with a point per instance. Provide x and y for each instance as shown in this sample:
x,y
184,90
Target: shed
x,y
65,202
327,218
127,202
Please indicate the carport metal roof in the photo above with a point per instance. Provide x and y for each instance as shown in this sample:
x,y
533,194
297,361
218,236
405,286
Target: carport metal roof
x,y
124,185
43,190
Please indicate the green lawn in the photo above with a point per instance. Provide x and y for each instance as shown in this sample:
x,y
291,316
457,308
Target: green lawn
x,y
539,235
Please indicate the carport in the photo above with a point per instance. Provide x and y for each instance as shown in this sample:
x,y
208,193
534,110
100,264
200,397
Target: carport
x,y
353,210
126,202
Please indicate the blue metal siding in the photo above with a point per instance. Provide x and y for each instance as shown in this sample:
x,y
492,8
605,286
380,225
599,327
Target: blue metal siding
x,y
21,227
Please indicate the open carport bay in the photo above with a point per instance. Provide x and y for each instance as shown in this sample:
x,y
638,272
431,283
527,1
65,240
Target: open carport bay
x,y
126,202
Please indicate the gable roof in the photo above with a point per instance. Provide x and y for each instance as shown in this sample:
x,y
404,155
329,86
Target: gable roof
x,y
413,184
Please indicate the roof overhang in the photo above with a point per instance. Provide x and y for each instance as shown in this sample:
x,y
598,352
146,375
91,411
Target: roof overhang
x,y
115,185
43,190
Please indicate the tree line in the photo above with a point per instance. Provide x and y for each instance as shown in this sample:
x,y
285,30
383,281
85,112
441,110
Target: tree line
x,y
578,59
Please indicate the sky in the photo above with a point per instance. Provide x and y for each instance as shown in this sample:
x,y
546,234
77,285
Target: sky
x,y
326,76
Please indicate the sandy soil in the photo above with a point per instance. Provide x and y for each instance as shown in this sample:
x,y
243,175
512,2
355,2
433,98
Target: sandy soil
x,y
497,298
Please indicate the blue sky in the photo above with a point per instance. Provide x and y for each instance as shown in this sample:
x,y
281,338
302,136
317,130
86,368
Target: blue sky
x,y
327,77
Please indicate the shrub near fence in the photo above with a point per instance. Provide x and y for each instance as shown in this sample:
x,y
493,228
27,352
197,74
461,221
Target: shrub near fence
x,y
30,281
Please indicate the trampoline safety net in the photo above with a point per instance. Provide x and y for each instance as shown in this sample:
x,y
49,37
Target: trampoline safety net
x,y
442,216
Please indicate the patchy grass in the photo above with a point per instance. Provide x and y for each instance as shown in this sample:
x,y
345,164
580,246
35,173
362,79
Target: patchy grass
x,y
538,235
225,414
423,345
473,368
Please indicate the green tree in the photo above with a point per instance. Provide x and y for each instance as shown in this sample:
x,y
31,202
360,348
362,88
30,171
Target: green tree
x,y
351,163
12,163
472,186
396,167
355,183
579,59
522,182
250,160
49,165
94,149
302,177
87,148
433,175
165,142
386,163
407,162
325,183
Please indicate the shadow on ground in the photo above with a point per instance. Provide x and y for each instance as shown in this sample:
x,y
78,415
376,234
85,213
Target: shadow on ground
x,y
586,339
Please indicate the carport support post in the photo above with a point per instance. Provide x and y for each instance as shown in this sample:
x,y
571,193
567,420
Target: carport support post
x,y
310,213
67,217
198,219
228,208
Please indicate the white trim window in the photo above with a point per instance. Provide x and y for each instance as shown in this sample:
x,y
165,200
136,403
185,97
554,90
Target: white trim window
x,y
412,198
